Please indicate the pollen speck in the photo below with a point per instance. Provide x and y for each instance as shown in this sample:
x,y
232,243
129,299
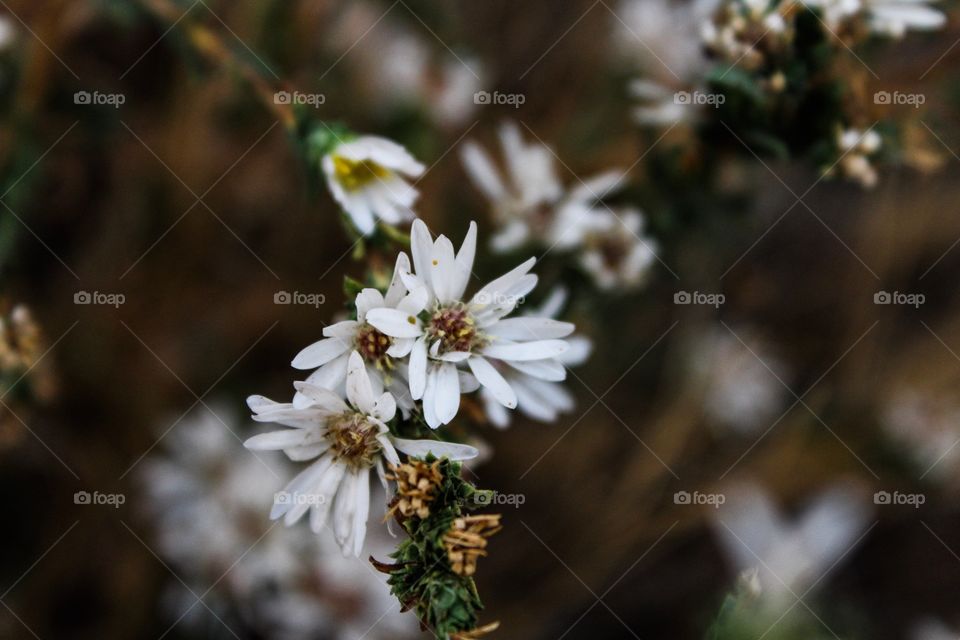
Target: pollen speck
x,y
411,320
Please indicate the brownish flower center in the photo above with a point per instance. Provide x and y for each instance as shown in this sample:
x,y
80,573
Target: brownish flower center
x,y
353,439
455,328
373,345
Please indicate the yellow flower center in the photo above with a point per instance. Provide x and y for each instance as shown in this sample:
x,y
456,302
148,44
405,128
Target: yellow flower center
x,y
356,174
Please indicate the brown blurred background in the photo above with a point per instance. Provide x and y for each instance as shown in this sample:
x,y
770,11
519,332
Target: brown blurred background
x,y
189,201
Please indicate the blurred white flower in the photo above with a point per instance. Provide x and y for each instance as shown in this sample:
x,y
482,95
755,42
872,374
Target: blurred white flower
x,y
664,37
522,200
790,554
472,333
348,441
530,204
401,69
895,17
8,32
381,353
366,177
931,629
537,398
741,393
204,499
928,426
856,148
835,13
658,105
615,252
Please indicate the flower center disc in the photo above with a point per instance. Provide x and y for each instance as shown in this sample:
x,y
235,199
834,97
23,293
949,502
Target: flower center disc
x,y
373,345
356,174
353,439
455,328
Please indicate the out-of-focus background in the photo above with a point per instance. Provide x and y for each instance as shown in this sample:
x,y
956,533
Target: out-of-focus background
x,y
154,208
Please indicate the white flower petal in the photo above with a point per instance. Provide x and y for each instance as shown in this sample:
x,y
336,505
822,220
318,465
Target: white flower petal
x,y
397,289
421,246
527,328
368,299
551,369
320,353
463,267
277,440
418,368
385,407
443,270
395,323
447,392
422,448
345,330
491,379
359,389
321,398
520,351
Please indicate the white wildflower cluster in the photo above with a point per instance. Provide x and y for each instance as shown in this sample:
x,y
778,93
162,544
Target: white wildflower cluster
x,y
530,205
205,498
416,348
747,32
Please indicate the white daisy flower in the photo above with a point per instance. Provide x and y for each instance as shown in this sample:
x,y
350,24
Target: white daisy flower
x,y
366,177
471,333
895,17
381,353
347,440
539,398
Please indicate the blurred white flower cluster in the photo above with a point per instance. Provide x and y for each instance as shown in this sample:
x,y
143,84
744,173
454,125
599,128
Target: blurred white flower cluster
x,y
205,497
787,557
530,205
416,347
